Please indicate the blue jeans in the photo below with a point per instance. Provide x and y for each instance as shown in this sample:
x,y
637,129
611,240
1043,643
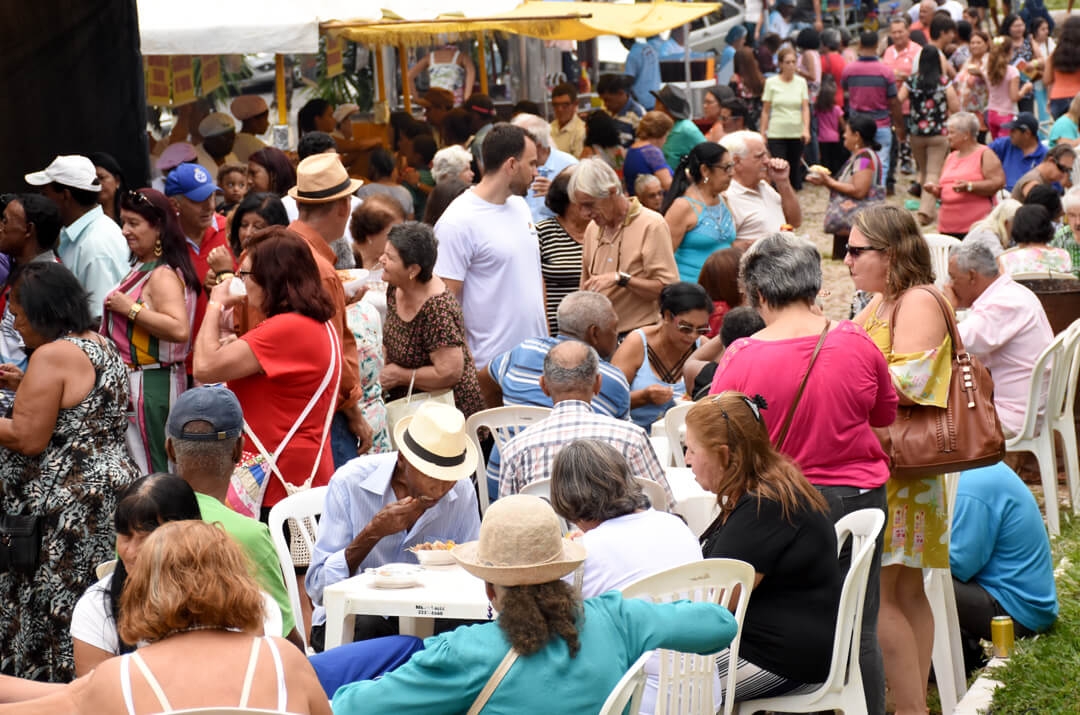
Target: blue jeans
x,y
884,137
342,440
842,501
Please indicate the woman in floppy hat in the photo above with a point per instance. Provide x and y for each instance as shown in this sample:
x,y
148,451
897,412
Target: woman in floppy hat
x,y
585,646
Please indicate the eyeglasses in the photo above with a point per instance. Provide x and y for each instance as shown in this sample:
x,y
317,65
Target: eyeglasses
x,y
856,251
727,168
1063,169
688,329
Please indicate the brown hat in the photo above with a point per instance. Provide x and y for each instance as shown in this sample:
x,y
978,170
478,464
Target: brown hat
x,y
437,97
520,544
322,178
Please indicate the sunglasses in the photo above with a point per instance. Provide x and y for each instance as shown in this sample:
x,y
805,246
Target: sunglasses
x,y
1063,169
856,251
688,329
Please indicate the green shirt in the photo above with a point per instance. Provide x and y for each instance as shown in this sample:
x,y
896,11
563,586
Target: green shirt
x,y
1064,128
1063,238
254,538
684,136
785,106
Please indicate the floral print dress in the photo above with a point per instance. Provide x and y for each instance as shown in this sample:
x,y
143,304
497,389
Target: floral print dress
x,y
929,108
366,324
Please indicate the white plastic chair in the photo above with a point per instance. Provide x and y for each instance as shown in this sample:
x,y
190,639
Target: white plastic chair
x,y
1050,371
504,423
939,245
1060,413
228,711
655,492
835,693
948,652
542,488
627,692
308,503
674,429
686,679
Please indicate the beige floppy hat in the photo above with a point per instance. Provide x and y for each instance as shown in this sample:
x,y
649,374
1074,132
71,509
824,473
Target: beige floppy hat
x,y
433,440
321,178
520,544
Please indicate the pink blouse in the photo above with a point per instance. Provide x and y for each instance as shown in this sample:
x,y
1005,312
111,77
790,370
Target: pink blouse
x,y
961,209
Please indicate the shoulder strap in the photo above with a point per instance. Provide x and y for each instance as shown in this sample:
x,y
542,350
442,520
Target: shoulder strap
x,y
802,385
950,320
283,696
249,674
151,681
125,682
493,682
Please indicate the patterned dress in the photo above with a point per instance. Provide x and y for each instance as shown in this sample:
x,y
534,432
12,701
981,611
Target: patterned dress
x,y
439,324
917,525
366,324
74,483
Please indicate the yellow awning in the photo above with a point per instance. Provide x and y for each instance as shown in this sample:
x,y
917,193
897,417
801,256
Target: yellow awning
x,y
542,20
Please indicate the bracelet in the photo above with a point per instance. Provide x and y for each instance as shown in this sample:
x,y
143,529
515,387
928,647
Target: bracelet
x,y
225,276
136,308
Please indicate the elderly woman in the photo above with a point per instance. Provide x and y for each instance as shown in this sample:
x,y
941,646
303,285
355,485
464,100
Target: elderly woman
x,y
453,162
149,316
1032,231
424,334
624,538
210,634
785,114
63,459
561,240
971,177
522,558
645,155
773,519
848,392
285,371
1068,236
627,253
888,256
695,210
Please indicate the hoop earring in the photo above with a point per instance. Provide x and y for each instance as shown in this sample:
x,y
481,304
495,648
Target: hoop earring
x,y
157,248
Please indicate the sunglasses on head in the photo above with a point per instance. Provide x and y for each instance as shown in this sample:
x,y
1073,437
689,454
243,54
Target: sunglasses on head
x,y
756,404
856,251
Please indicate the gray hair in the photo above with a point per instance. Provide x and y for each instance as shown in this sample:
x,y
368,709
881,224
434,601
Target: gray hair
x,y
995,222
974,256
591,481
1071,199
536,127
593,177
450,162
964,122
737,142
780,269
205,458
642,181
571,366
582,309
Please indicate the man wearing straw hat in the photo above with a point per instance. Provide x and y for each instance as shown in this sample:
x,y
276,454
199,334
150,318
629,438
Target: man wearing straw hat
x,y
378,506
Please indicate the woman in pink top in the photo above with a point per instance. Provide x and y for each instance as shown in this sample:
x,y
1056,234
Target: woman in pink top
x,y
972,174
848,391
1003,80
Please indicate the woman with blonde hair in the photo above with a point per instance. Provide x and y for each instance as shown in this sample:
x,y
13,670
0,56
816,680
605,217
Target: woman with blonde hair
x,y
772,518
995,231
190,599
888,256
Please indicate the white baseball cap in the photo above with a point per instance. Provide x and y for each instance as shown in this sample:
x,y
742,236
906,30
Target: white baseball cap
x,y
74,171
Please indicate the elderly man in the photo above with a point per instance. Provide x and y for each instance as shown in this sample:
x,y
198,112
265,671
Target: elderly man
x,y
567,129
1021,151
218,132
1055,170
627,254
91,244
901,57
684,136
571,379
649,191
489,253
254,116
549,162
1068,236
759,210
1006,327
378,506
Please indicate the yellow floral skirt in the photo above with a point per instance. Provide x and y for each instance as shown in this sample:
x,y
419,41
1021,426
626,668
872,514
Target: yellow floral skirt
x,y
917,524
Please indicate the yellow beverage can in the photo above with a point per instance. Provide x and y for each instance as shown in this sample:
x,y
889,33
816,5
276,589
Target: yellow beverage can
x,y
1001,632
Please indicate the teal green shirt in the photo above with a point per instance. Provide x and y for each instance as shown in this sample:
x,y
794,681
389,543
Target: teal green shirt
x,y
684,136
1064,128
254,538
1063,238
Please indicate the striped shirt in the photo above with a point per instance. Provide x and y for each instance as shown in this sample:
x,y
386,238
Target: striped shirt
x,y
869,84
560,263
530,455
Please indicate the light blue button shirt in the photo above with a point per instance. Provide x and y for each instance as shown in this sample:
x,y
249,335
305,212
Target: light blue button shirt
x,y
556,162
94,249
357,492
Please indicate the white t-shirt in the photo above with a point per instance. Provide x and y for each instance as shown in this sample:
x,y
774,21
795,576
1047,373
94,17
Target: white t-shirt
x,y
758,212
495,251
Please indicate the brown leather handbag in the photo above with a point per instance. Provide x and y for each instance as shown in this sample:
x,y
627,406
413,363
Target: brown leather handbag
x,y
925,440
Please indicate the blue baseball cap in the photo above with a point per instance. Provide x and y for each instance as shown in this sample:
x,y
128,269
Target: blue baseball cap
x,y
216,405
191,180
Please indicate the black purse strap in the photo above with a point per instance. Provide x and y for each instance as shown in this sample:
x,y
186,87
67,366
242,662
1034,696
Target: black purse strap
x,y
802,386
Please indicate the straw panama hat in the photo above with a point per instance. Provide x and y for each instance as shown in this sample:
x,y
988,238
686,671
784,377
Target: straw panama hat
x,y
433,440
520,544
322,178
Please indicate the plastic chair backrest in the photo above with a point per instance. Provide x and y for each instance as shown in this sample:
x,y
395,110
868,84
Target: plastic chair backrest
x,y
1043,372
686,679
1070,350
655,492
542,488
504,423
939,245
228,711
674,423
627,692
308,503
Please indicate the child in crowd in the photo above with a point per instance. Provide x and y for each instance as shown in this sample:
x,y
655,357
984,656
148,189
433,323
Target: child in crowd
x,y
232,178
830,122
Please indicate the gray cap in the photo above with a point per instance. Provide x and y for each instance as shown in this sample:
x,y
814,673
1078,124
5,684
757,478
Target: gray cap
x,y
214,404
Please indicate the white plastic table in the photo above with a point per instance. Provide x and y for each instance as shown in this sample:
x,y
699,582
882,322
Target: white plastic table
x,y
693,503
444,592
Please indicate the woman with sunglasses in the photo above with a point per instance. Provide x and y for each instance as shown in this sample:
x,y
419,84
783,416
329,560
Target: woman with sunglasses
x,y
149,316
774,520
848,392
652,358
695,210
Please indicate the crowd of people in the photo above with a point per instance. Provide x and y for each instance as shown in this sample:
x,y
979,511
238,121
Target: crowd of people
x,y
608,265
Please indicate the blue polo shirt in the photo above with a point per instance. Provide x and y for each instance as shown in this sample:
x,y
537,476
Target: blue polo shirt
x,y
1015,162
643,64
556,162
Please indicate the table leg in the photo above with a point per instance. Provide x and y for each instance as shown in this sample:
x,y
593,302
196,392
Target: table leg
x,y
335,621
419,627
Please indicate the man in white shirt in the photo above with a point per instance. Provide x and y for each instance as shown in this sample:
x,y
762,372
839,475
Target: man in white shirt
x,y
489,252
91,244
1006,328
759,210
550,162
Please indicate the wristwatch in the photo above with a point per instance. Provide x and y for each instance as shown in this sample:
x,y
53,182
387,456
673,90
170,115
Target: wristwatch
x,y
624,279
970,187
